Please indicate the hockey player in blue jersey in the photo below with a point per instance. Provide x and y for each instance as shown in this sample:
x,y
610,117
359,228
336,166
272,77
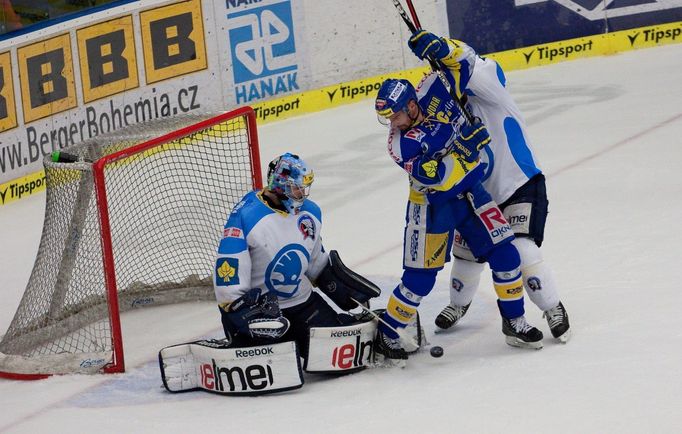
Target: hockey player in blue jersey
x,y
513,177
271,256
440,154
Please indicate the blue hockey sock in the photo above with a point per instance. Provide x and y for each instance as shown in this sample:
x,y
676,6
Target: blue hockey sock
x,y
405,299
505,264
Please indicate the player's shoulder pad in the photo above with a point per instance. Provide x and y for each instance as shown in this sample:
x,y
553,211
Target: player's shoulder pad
x,y
250,211
244,216
425,85
312,208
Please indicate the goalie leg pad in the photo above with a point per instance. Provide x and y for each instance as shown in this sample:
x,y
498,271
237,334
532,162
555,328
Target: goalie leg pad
x,y
340,350
341,284
214,366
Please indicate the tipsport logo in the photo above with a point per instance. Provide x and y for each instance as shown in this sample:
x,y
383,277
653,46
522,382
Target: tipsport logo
x,y
263,49
655,35
551,52
595,10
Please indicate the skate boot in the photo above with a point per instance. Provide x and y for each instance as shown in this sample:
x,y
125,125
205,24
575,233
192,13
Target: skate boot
x,y
451,315
557,319
521,334
389,352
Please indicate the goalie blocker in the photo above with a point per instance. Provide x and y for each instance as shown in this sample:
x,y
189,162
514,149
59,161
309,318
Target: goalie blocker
x,y
343,286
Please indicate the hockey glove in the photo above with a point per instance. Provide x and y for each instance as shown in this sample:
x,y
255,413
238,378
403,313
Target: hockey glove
x,y
343,286
470,141
424,44
254,315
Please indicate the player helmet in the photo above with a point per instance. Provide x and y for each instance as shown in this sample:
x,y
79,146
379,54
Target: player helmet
x,y
393,97
290,178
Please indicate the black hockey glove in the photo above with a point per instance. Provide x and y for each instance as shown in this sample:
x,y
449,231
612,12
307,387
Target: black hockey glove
x,y
343,286
470,141
254,315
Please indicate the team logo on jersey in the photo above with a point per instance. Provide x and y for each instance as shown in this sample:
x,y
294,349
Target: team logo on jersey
x,y
284,273
430,168
415,134
306,225
232,233
227,271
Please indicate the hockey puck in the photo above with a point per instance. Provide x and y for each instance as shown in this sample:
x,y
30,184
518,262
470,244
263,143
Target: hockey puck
x,y
436,351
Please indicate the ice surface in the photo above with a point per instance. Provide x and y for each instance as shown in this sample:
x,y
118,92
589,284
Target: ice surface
x,y
608,134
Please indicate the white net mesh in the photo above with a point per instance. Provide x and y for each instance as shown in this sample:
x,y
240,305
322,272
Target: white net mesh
x,y
166,209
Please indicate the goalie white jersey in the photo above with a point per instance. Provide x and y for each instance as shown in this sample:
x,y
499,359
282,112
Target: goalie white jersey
x,y
483,82
269,249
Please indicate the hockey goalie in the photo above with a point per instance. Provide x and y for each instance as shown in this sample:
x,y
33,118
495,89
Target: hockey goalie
x,y
268,261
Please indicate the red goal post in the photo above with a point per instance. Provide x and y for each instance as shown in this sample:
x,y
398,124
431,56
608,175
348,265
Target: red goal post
x,y
135,221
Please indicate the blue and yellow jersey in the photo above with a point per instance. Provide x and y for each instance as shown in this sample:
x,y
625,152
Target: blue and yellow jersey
x,y
424,152
269,249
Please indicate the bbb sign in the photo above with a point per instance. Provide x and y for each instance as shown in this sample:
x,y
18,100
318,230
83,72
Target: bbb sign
x,y
262,43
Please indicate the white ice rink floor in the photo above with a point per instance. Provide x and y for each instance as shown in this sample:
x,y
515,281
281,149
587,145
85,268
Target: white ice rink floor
x,y
608,133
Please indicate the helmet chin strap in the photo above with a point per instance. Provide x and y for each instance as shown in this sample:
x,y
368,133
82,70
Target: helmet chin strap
x,y
414,119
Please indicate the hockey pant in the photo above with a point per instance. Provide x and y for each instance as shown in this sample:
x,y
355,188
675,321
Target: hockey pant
x,y
526,209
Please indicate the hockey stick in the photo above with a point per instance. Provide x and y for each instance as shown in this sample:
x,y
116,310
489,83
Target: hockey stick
x,y
402,334
435,65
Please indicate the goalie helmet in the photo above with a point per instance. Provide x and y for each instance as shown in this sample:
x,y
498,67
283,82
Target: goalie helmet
x,y
290,178
393,97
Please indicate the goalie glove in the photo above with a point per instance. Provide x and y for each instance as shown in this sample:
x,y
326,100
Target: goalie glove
x,y
255,315
470,141
343,286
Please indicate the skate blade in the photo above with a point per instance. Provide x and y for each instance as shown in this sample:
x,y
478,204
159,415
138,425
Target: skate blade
x,y
565,337
516,342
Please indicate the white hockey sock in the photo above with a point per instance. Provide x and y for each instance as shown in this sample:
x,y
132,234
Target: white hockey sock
x,y
538,278
464,278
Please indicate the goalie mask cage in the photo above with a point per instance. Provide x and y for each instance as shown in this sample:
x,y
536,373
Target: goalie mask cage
x,y
134,222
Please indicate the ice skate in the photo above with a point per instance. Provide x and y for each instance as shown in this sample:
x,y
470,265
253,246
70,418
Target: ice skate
x,y
450,315
521,334
557,319
389,352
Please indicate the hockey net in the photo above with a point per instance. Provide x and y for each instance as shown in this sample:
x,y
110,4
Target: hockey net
x,y
134,222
